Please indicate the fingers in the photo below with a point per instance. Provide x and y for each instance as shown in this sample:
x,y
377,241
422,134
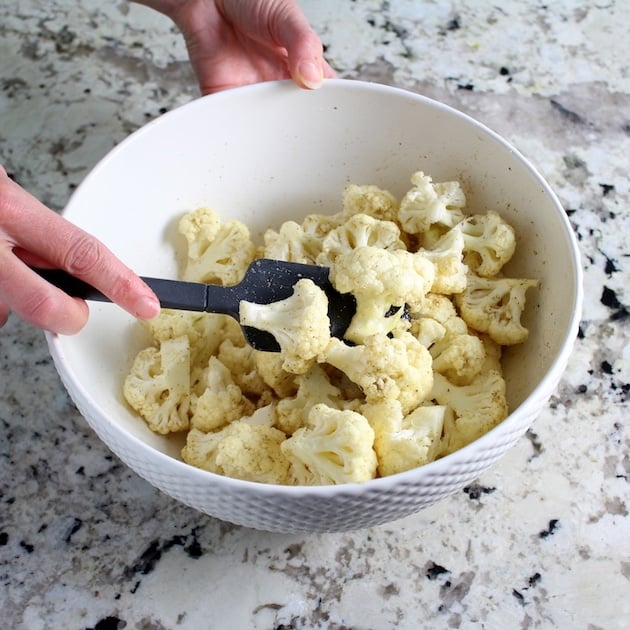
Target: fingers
x,y
37,302
304,48
32,234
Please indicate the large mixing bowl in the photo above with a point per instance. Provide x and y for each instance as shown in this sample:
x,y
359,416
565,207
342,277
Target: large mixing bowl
x,y
272,152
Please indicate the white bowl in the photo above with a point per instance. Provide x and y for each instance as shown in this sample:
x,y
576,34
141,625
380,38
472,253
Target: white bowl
x,y
272,152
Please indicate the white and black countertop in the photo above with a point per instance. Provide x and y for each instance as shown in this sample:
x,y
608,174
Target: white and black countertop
x,y
542,540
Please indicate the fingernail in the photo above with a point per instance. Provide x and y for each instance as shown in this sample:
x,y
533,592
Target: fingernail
x,y
147,307
311,74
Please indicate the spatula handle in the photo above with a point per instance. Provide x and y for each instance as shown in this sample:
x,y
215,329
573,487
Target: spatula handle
x,y
175,294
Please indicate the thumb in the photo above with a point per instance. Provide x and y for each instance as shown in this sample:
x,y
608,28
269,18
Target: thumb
x,y
305,53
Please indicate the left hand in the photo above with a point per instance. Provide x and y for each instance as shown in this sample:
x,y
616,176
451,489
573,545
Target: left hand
x,y
238,42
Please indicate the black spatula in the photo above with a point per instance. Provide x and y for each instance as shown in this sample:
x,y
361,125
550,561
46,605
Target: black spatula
x,y
265,281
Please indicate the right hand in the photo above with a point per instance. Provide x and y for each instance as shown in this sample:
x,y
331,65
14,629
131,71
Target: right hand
x,y
33,235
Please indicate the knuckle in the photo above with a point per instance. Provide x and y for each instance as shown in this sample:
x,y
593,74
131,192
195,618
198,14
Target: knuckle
x,y
83,256
50,311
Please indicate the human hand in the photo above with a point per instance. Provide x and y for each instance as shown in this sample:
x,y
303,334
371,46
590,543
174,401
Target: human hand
x,y
33,235
238,42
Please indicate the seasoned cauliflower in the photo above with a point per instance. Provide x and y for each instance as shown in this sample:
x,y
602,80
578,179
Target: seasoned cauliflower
x,y
269,367
380,279
417,376
459,357
317,226
495,306
427,330
385,368
299,323
243,450
205,331
158,385
222,400
217,252
404,442
427,204
240,360
489,243
436,306
291,243
477,407
371,200
361,230
335,446
446,255
313,387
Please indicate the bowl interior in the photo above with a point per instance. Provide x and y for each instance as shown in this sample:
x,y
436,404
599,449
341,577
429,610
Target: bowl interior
x,y
272,152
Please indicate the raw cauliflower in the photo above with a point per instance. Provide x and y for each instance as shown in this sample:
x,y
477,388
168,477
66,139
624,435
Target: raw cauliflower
x,y
243,450
385,368
495,306
240,360
205,331
218,252
447,258
361,230
299,323
417,376
158,385
476,408
427,204
313,387
371,200
222,400
404,442
291,243
489,243
380,279
335,446
269,365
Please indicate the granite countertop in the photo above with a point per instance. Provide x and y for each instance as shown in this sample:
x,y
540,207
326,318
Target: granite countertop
x,y
542,540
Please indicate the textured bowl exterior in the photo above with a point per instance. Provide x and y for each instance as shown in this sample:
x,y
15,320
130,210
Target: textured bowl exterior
x,y
93,363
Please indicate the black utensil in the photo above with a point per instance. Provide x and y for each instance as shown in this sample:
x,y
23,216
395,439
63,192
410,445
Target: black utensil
x,y
265,281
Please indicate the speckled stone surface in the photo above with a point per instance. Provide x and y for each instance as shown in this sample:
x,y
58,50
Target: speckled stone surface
x,y
540,541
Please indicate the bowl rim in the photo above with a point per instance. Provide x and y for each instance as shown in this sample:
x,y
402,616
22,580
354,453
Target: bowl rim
x,y
536,397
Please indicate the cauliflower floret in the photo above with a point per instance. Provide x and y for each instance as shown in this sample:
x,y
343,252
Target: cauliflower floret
x,y
243,450
318,226
458,357
222,400
492,351
489,243
299,323
217,252
438,307
240,360
158,385
477,407
385,368
291,243
360,230
370,200
314,388
427,204
269,367
334,447
446,256
404,442
427,330
380,279
495,306
204,331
